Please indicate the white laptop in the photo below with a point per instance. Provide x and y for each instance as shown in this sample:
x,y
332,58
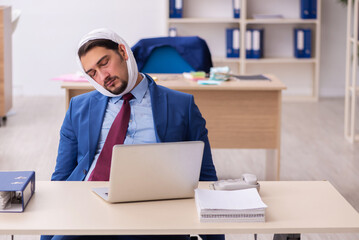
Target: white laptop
x,y
153,171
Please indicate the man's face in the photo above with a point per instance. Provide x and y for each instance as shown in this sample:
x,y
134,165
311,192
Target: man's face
x,y
107,67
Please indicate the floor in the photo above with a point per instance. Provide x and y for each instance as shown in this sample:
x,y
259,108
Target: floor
x,y
313,148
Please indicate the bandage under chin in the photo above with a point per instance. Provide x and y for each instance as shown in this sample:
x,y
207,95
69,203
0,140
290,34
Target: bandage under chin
x,y
104,33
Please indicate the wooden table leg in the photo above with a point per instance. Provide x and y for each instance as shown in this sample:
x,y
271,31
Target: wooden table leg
x,y
67,99
272,165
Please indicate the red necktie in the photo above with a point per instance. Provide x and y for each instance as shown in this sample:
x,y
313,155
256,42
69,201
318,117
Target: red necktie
x,y
116,135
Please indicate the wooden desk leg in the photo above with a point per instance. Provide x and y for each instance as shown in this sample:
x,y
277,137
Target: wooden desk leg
x,y
272,165
67,99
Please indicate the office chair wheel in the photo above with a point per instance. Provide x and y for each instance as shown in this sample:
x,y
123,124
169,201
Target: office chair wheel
x,y
3,121
286,237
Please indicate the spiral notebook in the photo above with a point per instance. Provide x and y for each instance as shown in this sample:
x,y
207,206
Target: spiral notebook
x,y
230,206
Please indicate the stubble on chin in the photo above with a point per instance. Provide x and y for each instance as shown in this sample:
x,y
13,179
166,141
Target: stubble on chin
x,y
119,89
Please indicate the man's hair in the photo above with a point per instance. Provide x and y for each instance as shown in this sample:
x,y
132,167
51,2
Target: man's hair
x,y
106,43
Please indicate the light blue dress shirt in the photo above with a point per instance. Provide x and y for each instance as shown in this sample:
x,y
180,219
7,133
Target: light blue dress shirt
x,y
140,128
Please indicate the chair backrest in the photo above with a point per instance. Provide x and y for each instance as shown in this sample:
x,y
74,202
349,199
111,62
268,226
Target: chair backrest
x,y
172,55
166,60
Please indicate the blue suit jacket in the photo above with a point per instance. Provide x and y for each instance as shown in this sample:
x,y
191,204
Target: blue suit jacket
x,y
176,118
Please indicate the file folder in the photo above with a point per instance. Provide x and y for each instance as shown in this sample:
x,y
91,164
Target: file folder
x,y
176,8
233,42
248,43
313,9
236,8
20,186
304,9
298,42
302,43
257,43
308,9
307,43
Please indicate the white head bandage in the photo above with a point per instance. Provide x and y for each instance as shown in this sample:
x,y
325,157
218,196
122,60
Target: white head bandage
x,y
103,33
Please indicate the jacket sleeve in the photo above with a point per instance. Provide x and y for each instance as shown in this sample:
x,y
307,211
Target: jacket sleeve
x,y
67,152
197,131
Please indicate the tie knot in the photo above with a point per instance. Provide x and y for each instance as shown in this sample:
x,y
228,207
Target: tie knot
x,y
127,96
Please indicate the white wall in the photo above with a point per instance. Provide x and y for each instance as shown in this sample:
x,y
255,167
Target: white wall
x,y
333,49
46,38
45,41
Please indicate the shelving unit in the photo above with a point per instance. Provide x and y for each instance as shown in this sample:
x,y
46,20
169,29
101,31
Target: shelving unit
x,y
351,78
209,19
202,20
5,63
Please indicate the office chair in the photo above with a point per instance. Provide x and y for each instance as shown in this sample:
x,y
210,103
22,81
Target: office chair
x,y
172,55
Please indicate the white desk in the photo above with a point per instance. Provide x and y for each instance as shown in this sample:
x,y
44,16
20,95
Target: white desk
x,y
71,208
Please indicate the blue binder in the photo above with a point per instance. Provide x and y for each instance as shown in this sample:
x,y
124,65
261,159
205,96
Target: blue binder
x,y
298,42
257,43
232,42
308,9
176,8
307,43
304,9
313,9
236,8
302,43
249,43
21,186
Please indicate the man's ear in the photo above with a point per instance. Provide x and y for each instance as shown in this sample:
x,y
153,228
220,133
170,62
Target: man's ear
x,y
122,51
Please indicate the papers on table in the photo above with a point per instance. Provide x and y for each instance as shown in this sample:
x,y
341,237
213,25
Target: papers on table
x,y
5,198
208,82
195,76
230,206
77,77
244,77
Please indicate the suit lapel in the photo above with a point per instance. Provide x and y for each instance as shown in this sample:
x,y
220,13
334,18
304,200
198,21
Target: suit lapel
x,y
97,110
159,109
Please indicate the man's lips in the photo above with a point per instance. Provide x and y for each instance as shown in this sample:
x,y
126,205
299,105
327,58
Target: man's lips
x,y
110,82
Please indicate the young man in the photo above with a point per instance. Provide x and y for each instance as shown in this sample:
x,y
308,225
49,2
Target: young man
x,y
157,114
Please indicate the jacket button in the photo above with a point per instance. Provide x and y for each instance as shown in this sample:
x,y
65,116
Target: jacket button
x,y
85,172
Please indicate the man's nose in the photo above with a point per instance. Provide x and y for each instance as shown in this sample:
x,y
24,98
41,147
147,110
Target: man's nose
x,y
103,75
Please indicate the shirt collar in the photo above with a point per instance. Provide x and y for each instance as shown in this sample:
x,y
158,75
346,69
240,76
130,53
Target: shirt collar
x,y
138,92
